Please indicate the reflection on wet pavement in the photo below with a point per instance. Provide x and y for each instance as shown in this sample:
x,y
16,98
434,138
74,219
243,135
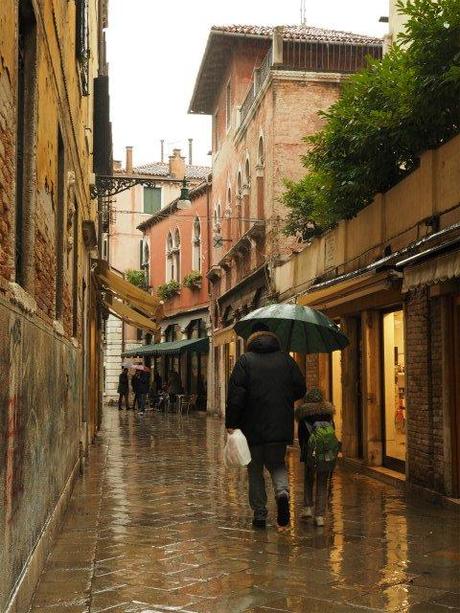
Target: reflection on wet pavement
x,y
159,524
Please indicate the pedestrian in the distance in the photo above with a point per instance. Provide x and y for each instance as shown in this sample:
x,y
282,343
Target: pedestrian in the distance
x,y
135,387
143,386
263,387
123,389
319,449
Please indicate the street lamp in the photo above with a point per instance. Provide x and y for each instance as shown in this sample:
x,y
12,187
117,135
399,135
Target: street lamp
x,y
184,200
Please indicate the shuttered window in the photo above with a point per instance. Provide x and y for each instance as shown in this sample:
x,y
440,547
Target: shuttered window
x,y
152,199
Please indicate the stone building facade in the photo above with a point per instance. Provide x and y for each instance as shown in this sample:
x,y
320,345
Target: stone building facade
x,y
264,88
51,57
391,278
180,251
126,248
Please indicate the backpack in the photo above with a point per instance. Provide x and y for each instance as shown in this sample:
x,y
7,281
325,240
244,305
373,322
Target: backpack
x,y
322,447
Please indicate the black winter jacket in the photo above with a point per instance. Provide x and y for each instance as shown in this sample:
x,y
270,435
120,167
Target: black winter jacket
x,y
143,384
262,389
123,385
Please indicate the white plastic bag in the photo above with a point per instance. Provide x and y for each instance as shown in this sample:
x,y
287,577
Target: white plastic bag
x,y
236,451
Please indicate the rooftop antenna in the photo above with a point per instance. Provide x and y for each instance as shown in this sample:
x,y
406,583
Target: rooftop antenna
x,y
303,12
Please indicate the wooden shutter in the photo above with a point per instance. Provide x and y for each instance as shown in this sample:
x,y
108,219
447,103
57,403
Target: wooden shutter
x,y
152,199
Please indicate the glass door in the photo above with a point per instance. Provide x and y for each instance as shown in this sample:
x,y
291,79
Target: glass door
x,y
394,391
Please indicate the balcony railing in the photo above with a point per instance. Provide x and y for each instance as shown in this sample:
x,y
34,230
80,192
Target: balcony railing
x,y
260,75
307,56
326,57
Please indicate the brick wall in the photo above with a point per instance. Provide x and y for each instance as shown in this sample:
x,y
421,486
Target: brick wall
x,y
437,395
42,394
419,414
7,152
425,420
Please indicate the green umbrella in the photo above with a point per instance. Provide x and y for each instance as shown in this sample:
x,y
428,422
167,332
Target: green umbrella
x,y
299,328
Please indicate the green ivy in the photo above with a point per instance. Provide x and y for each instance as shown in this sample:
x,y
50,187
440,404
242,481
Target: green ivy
x,y
168,290
386,116
137,278
193,279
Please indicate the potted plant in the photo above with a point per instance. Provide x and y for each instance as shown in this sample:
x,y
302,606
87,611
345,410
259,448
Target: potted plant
x,y
193,280
168,290
137,278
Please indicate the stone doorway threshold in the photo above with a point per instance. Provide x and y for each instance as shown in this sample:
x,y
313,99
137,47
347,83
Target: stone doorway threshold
x,y
398,480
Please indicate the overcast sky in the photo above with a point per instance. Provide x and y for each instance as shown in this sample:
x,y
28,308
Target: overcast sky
x,y
155,49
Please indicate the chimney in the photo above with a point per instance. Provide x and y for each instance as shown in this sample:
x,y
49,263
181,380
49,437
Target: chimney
x,y
190,151
177,165
162,149
277,45
129,160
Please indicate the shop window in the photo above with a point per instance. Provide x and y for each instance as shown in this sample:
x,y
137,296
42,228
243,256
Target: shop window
x,y
336,390
394,389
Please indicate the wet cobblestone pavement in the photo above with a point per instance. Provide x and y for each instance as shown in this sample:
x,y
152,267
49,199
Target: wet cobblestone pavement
x,y
158,524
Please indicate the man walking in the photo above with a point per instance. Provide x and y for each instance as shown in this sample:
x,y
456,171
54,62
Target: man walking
x,y
123,388
263,387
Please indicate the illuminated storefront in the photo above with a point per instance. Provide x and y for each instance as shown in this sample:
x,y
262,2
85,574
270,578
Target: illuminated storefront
x,y
394,390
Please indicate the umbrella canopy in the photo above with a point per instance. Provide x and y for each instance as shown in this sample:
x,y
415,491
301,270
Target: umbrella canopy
x,y
301,329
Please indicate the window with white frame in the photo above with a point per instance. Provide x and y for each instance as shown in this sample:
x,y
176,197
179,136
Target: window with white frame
x,y
196,246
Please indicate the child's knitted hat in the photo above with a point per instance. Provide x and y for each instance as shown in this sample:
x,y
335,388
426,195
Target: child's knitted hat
x,y
314,395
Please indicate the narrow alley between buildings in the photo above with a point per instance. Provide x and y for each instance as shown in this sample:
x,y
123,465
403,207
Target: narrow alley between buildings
x,y
157,523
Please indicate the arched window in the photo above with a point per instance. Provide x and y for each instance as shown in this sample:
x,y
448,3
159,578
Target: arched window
x,y
173,256
177,254
228,215
217,216
260,152
145,264
247,173
145,255
196,245
239,187
169,257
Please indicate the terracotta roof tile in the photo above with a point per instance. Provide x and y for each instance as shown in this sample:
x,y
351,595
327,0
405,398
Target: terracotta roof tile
x,y
306,33
161,169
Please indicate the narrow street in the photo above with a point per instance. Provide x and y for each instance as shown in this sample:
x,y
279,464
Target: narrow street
x,y
157,523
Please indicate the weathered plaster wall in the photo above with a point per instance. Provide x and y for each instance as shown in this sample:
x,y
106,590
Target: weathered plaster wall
x,y
40,397
45,413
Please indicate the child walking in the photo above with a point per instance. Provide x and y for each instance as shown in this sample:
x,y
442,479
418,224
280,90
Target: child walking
x,y
319,449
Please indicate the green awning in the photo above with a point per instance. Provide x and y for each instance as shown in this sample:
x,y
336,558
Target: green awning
x,y
194,345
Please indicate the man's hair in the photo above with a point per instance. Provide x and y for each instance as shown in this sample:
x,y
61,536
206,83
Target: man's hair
x,y
259,326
